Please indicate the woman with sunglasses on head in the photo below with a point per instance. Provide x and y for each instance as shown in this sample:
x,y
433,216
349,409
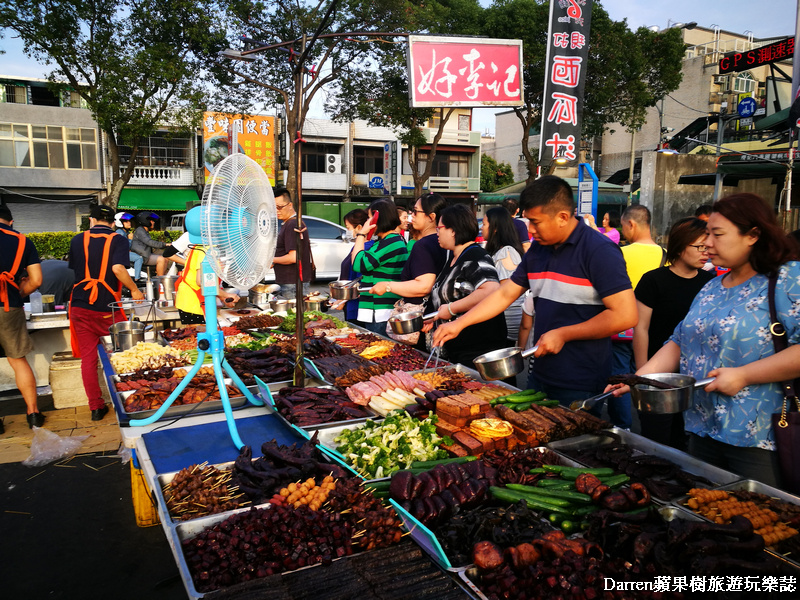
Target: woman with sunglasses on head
x,y
663,297
468,277
727,335
384,261
426,259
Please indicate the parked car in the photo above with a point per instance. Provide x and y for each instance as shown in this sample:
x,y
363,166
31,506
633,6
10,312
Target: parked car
x,y
176,222
327,246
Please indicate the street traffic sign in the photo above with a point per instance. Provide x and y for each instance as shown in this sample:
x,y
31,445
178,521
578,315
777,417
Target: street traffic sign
x,y
747,107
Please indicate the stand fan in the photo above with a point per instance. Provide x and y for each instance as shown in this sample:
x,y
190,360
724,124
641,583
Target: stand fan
x,y
238,225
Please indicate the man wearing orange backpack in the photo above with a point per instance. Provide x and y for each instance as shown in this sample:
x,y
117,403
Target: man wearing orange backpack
x,y
20,274
99,257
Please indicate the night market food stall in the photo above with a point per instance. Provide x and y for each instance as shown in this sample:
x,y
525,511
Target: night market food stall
x,y
476,488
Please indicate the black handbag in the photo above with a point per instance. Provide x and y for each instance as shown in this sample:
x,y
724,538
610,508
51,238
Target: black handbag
x,y
785,424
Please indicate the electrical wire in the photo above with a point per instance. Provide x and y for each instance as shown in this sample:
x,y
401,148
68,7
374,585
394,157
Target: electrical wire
x,y
71,200
687,106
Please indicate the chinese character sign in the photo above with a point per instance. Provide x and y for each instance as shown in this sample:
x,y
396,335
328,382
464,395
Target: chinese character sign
x,y
744,61
253,136
450,71
567,59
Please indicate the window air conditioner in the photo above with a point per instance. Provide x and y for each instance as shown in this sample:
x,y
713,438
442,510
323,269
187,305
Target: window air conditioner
x,y
721,80
333,164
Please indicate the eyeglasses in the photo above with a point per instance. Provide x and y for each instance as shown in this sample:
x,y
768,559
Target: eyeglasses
x,y
417,210
700,247
281,207
441,227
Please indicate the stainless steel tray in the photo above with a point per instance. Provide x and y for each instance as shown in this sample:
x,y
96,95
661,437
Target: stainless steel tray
x,y
372,414
182,409
467,576
750,485
49,316
458,367
643,445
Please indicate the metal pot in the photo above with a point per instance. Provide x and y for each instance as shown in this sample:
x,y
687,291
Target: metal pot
x,y
346,289
503,363
258,298
126,334
409,322
651,399
166,284
48,303
318,303
282,304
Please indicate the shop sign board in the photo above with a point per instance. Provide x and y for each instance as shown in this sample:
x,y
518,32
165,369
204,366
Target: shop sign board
x,y
565,76
734,62
465,72
253,135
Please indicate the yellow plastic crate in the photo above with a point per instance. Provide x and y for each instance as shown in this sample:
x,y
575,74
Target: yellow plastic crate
x,y
143,505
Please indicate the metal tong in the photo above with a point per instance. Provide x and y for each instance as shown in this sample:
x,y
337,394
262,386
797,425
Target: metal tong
x,y
435,355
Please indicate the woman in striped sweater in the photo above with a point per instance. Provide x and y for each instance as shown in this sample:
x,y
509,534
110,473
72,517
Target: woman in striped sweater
x,y
383,261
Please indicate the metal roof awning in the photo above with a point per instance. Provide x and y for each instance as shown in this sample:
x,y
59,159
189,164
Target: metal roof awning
x,y
168,199
607,193
733,173
776,121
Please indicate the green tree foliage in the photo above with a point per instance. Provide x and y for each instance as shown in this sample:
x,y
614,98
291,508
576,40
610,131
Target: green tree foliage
x,y
628,71
494,175
307,46
137,63
378,92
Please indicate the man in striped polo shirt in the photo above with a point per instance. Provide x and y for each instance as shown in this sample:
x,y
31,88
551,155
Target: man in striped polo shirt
x,y
582,295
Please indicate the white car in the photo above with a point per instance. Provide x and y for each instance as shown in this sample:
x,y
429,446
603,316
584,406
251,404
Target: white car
x,y
328,247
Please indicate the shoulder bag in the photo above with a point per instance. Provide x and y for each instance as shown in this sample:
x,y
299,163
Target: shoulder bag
x,y
785,424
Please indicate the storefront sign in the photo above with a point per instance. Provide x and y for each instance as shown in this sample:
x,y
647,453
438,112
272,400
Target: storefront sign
x,y
451,71
744,61
565,75
226,133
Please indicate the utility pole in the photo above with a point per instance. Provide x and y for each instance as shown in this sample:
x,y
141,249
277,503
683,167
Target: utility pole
x,y
718,179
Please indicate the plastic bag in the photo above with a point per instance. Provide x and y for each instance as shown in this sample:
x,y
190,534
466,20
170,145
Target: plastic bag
x,y
48,447
124,454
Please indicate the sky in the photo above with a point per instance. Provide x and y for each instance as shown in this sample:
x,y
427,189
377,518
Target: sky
x,y
764,19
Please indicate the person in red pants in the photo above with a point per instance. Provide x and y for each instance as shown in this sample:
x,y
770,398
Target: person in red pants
x,y
99,257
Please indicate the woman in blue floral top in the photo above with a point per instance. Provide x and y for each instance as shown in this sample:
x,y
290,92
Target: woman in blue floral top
x,y
726,335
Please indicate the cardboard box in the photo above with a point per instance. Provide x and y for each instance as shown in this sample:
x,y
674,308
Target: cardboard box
x,y
66,382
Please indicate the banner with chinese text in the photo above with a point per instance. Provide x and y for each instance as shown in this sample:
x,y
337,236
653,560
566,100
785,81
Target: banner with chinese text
x,y
565,75
225,133
453,71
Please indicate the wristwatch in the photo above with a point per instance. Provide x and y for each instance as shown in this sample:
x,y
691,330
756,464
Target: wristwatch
x,y
361,235
388,289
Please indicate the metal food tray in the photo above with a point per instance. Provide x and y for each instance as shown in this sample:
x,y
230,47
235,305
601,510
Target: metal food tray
x,y
269,399
642,445
467,577
751,485
312,370
471,372
182,409
48,316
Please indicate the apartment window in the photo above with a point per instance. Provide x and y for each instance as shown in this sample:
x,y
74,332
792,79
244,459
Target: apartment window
x,y
15,94
315,159
435,119
744,84
447,164
367,160
160,151
463,122
47,146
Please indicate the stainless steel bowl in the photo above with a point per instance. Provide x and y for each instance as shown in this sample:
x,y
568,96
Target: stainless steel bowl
x,y
126,334
346,289
409,322
651,399
502,363
318,303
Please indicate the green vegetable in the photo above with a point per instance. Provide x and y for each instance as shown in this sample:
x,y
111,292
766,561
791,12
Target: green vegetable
x,y
552,495
555,484
569,527
507,495
378,486
573,472
429,464
377,450
520,406
615,481
585,510
538,494
556,518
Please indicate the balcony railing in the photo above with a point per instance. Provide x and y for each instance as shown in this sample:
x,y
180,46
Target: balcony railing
x,y
166,176
453,137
